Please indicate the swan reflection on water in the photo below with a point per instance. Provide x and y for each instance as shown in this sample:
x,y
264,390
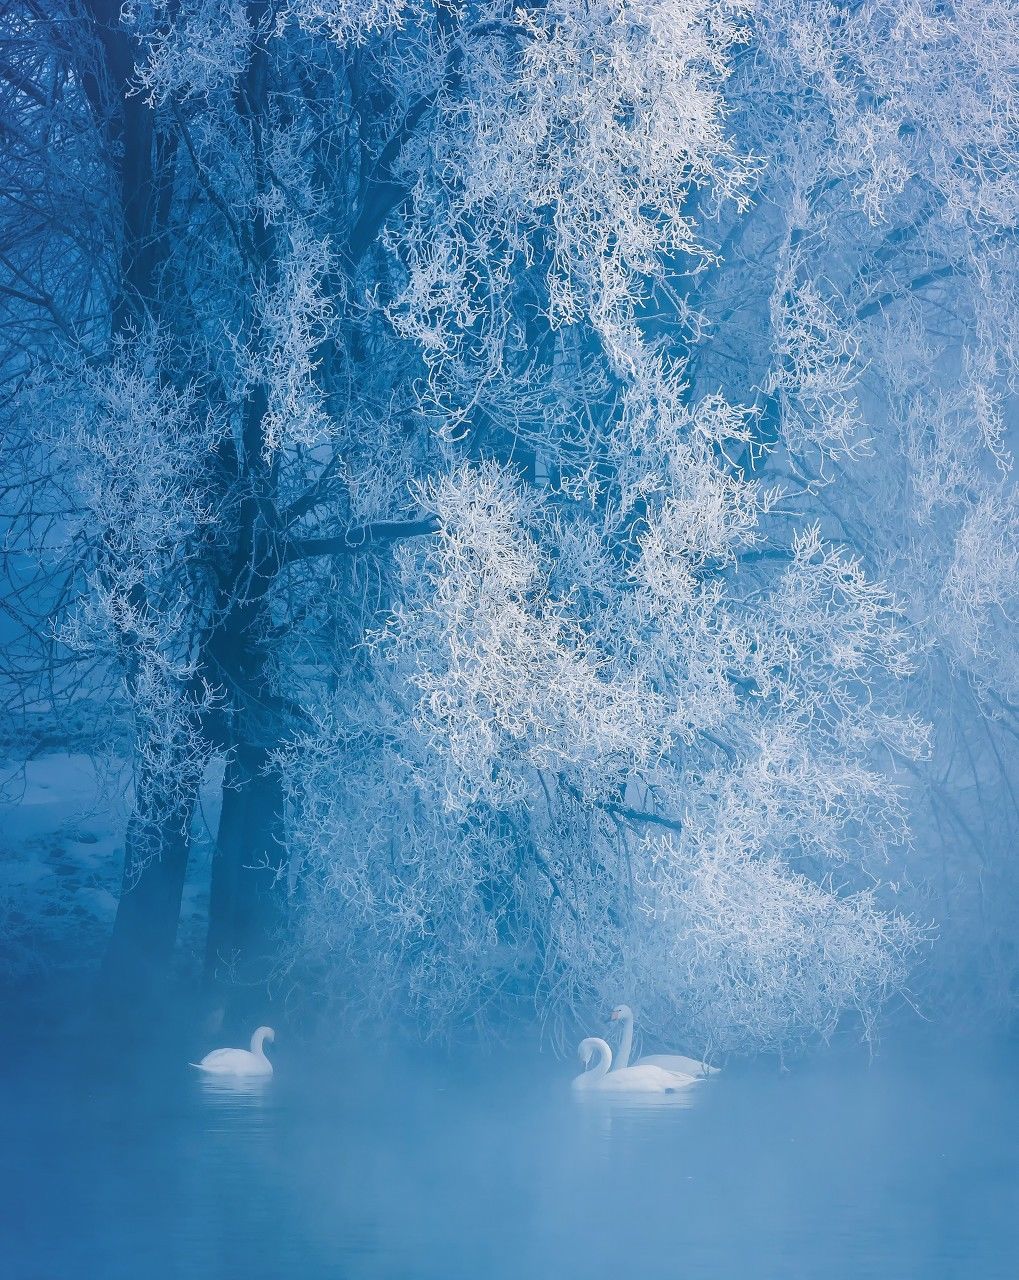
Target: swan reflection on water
x,y
239,1093
613,1120
611,1104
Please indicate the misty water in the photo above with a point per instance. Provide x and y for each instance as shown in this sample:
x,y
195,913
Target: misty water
x,y
427,1168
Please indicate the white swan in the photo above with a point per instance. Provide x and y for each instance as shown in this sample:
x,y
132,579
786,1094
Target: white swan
x,y
240,1062
642,1079
670,1061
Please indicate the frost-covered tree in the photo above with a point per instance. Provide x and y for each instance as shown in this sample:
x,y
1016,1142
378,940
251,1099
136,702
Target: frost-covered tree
x,y
872,302
629,692
553,453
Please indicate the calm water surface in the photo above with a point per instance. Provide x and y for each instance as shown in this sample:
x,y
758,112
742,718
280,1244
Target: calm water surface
x,y
425,1171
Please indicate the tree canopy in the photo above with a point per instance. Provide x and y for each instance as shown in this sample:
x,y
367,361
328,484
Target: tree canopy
x,y
559,457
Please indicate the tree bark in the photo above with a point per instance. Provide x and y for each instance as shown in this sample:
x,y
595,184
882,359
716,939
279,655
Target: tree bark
x,y
141,946
248,889
247,901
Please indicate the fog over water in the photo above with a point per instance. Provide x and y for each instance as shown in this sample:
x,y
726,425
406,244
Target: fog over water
x,y
423,1167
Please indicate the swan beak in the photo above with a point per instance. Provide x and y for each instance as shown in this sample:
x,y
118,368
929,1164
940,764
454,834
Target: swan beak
x,y
613,1016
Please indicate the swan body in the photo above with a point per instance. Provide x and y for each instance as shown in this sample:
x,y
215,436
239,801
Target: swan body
x,y
240,1062
639,1079
667,1061
678,1062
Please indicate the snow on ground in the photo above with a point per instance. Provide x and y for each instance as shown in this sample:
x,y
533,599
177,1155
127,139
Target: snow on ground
x,y
62,821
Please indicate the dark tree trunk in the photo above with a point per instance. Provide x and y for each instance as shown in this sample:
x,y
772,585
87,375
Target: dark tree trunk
x,y
248,891
249,870
138,957
248,895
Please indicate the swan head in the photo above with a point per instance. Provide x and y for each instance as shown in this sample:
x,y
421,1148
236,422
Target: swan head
x,y
593,1047
620,1013
260,1036
585,1050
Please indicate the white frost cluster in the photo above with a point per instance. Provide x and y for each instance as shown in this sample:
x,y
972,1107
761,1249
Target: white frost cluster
x,y
293,318
192,50
348,21
137,451
913,87
581,151
507,679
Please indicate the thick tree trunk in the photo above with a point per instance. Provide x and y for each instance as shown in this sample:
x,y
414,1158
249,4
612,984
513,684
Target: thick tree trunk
x,y
155,863
248,891
248,894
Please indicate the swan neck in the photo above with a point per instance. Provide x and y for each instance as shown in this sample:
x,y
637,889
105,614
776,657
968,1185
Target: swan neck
x,y
601,1067
258,1043
626,1042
